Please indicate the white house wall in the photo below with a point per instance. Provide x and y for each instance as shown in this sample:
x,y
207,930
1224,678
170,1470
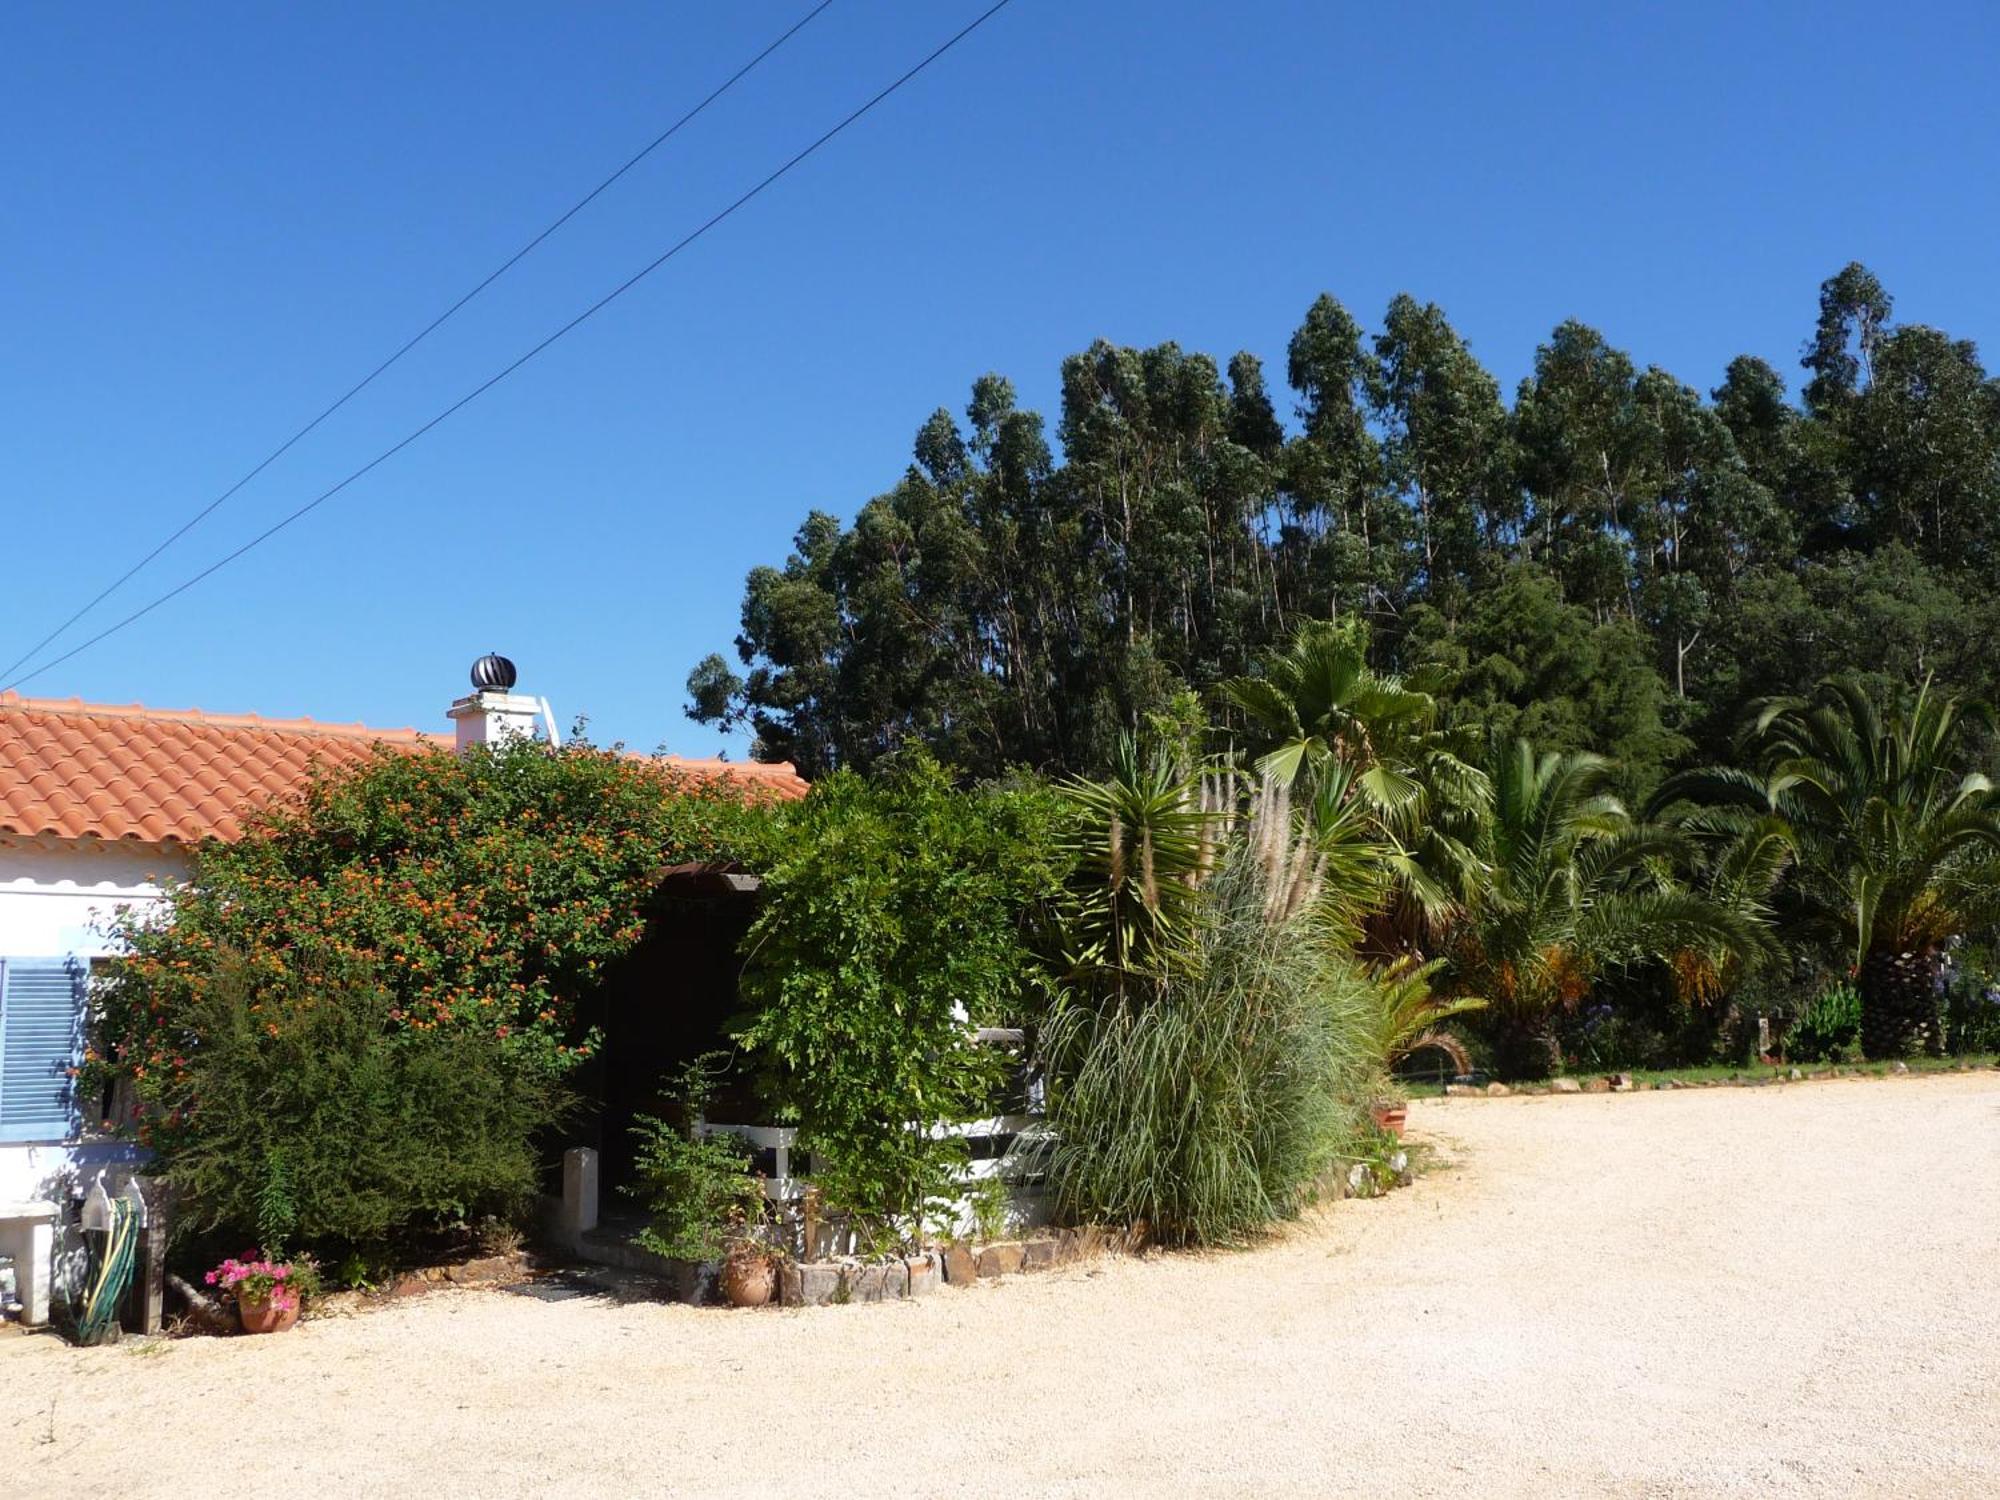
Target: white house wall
x,y
55,897
56,893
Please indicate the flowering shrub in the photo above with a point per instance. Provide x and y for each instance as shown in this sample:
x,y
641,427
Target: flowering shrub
x,y
486,892
349,1027
285,1285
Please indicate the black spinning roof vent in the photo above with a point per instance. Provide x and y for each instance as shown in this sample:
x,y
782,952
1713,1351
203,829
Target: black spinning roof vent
x,y
493,673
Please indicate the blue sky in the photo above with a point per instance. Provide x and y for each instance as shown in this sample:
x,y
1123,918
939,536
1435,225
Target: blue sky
x,y
218,217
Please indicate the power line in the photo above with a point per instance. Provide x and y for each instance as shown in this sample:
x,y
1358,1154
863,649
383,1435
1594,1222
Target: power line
x,y
486,385
428,329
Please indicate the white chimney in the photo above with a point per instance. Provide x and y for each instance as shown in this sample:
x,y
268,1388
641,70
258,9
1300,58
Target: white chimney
x,y
494,714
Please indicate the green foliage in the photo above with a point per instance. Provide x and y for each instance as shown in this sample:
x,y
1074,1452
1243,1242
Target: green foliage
x,y
895,919
1409,1017
698,1192
1525,664
1575,887
301,1115
1210,1106
484,892
1972,1005
1828,1029
1135,845
1317,701
1614,564
1892,837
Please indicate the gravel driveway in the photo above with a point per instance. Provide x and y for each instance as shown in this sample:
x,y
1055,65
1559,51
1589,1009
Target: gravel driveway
x,y
1723,1291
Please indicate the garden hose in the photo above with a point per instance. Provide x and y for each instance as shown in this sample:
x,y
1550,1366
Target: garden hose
x,y
114,1274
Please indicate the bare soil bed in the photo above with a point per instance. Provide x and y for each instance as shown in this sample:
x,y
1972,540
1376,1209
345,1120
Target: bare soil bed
x,y
1785,1290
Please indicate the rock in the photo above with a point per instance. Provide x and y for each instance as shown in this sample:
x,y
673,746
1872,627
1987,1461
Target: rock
x,y
925,1277
1038,1255
1360,1181
1597,1086
1399,1163
960,1266
409,1285
1497,1091
1001,1260
1461,1091
1901,1067
1622,1083
1565,1086
864,1283
1796,1075
895,1280
809,1283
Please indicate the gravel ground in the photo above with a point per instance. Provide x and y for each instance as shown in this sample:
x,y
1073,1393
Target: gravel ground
x,y
1783,1290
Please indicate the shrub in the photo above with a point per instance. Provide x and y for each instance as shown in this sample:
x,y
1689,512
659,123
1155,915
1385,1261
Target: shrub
x,y
695,1190
895,915
297,1113
1829,1028
486,891
1210,1107
1971,1007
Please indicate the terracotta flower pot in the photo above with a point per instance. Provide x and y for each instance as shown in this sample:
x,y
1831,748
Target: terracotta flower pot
x,y
749,1278
259,1316
1391,1117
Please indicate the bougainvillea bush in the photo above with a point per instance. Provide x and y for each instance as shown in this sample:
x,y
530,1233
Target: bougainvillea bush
x,y
461,909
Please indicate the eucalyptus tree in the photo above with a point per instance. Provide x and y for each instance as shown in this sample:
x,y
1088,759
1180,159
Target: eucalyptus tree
x,y
1445,447
1891,833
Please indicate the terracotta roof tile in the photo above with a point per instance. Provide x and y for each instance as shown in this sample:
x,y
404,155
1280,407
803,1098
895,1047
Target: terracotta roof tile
x,y
77,770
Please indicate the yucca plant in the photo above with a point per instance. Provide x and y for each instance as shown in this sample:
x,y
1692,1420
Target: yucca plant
x,y
1139,843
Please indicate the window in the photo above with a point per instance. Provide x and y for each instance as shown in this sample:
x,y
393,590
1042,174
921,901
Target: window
x,y
41,1044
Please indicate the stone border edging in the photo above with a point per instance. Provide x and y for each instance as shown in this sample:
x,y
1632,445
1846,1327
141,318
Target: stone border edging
x,y
1625,1083
828,1283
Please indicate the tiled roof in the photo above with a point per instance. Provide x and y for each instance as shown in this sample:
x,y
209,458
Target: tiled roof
x,y
91,770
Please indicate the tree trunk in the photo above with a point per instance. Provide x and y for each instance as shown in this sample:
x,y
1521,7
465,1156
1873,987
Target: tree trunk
x,y
1526,1049
1899,1004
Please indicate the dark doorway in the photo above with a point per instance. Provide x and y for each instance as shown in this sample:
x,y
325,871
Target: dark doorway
x,y
669,1002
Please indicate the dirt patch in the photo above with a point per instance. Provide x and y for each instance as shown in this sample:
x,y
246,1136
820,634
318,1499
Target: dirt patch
x,y
1691,1292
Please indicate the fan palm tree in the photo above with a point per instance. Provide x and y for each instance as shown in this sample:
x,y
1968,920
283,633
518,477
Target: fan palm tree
x,y
1317,701
1889,839
1573,885
1362,742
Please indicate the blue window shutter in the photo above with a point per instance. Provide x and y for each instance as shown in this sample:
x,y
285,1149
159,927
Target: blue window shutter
x,y
41,1040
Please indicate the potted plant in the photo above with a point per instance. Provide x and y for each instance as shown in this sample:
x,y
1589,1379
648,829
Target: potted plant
x,y
749,1274
269,1293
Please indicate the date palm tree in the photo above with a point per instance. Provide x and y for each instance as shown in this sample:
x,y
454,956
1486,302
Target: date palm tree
x,y
1573,885
1892,838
